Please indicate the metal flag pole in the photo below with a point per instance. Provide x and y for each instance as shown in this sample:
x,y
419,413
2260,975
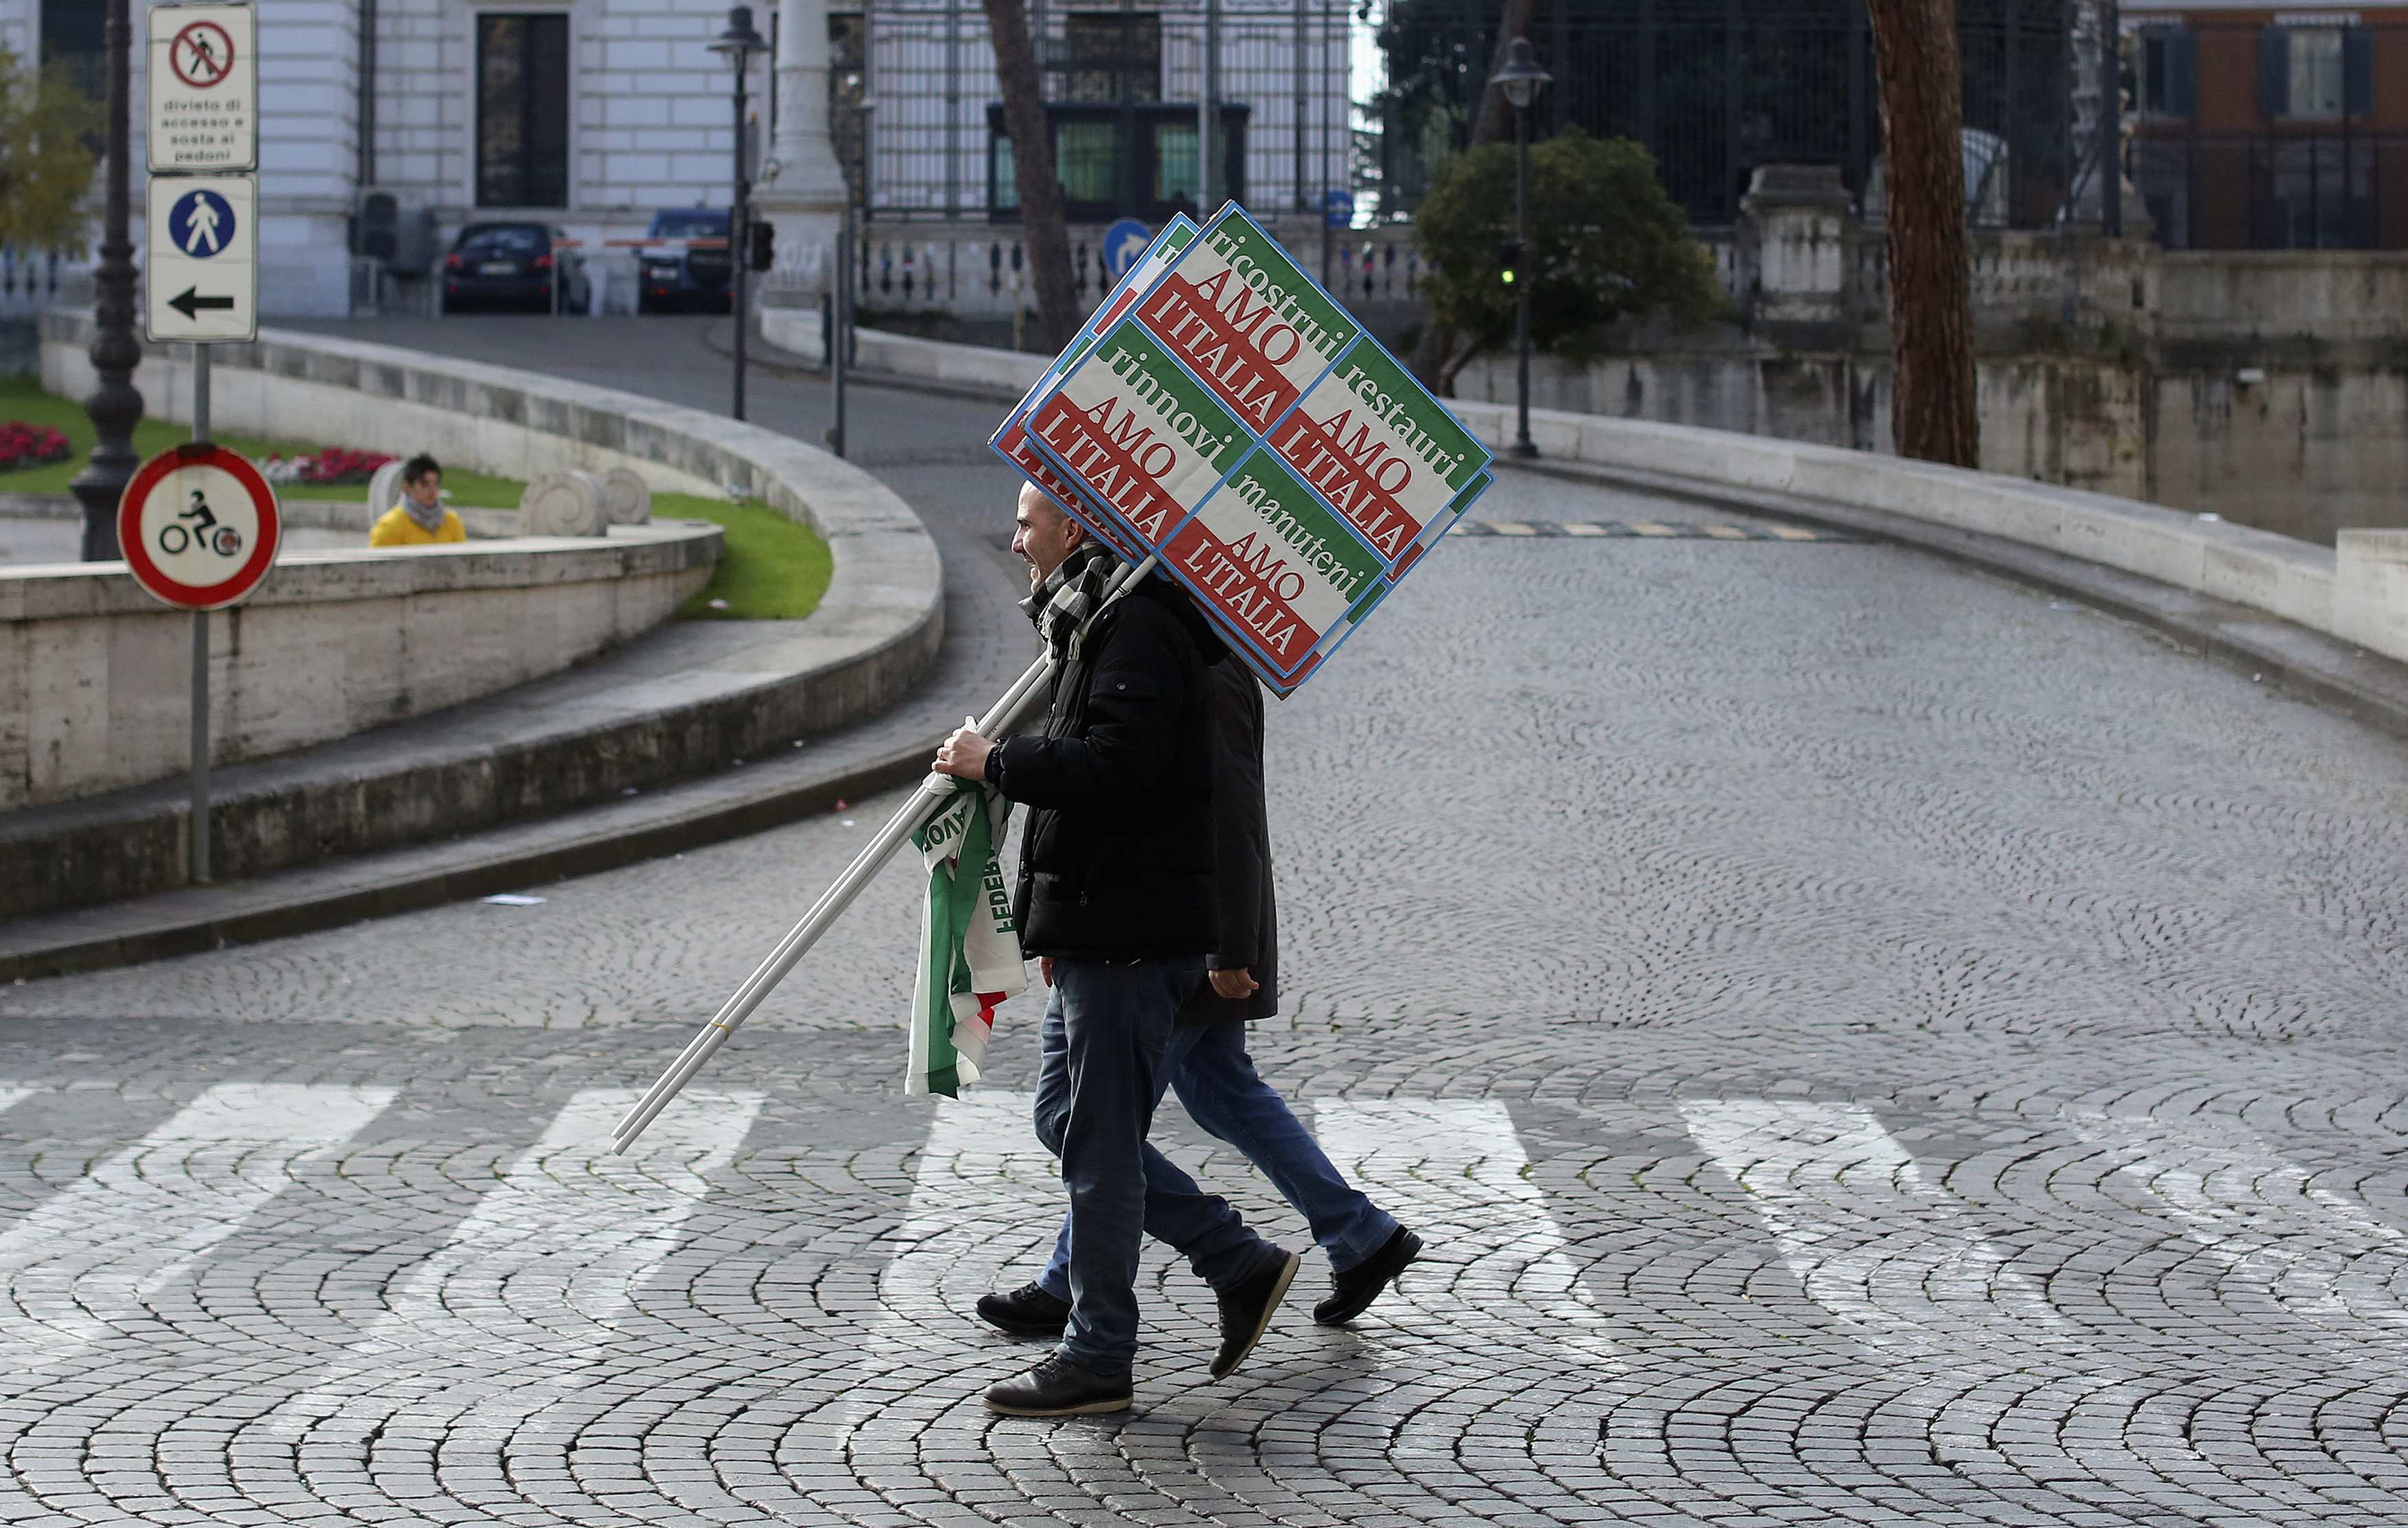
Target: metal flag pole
x,y
933,793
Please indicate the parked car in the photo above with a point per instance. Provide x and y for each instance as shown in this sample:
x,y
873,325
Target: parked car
x,y
687,278
524,264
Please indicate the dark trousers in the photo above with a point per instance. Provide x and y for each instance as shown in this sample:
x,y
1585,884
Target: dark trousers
x,y
1107,1031
1213,1075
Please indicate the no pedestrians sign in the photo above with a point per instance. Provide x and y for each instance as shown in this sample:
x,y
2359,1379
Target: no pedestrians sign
x,y
204,88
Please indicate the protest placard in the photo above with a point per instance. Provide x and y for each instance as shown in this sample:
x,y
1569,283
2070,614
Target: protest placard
x,y
1217,350
1011,439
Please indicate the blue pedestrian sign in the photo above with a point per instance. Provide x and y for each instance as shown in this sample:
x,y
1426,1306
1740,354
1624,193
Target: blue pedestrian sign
x,y
201,223
1337,208
1125,245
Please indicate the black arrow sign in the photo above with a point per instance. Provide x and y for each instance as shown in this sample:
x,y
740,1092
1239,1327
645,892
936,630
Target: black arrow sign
x,y
190,304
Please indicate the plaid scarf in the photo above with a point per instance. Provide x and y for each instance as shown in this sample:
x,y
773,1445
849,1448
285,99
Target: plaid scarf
x,y
1068,599
429,520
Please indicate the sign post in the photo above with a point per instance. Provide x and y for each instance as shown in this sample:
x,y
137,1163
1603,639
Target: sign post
x,y
201,286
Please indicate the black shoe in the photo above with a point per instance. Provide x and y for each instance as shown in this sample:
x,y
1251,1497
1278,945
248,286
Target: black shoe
x,y
1246,1312
1058,1387
1027,1311
1353,1291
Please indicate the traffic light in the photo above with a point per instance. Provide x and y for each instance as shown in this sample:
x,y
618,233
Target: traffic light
x,y
761,246
1509,260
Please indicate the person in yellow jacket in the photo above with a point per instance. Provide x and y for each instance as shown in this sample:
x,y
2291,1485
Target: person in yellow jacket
x,y
419,519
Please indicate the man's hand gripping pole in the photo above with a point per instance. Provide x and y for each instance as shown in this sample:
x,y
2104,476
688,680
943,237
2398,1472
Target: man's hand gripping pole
x,y
933,793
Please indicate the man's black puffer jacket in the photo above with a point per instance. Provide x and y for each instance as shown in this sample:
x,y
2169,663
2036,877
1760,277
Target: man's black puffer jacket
x,y
1117,861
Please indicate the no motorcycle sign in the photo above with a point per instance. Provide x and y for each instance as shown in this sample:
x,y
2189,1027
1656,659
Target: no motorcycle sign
x,y
1239,425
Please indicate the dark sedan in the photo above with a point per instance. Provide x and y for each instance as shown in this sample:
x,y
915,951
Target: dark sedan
x,y
690,267
520,264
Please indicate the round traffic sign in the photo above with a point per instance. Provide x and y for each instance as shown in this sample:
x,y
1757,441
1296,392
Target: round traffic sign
x,y
201,56
201,223
1125,245
198,525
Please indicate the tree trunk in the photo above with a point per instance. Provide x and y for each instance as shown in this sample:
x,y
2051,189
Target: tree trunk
x,y
1434,360
1932,413
1044,225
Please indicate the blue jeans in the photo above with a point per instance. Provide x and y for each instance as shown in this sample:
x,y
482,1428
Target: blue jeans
x,y
1109,1029
1216,1078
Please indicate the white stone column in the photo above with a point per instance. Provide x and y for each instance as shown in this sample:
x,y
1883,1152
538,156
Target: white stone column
x,y
802,191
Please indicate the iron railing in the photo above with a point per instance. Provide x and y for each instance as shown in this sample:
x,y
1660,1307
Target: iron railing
x,y
2273,190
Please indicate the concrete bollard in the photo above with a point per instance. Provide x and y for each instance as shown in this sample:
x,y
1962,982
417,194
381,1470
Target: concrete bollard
x,y
562,504
2371,591
384,489
626,498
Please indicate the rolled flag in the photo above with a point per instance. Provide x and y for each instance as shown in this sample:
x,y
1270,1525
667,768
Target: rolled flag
x,y
969,948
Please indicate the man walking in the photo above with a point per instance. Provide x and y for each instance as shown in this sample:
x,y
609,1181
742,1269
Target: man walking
x,y
1213,1075
1116,898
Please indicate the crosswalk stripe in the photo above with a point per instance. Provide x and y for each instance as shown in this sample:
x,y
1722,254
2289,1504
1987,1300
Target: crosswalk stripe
x,y
1453,1169
1511,527
2320,1256
985,1204
1867,1236
1584,527
1792,532
1724,532
1493,1268
1649,527
551,1256
144,1215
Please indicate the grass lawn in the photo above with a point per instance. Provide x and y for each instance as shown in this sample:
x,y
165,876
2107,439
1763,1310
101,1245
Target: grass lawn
x,y
22,398
772,568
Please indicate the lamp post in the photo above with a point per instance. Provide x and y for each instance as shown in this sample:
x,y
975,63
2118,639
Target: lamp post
x,y
115,406
738,45
1520,79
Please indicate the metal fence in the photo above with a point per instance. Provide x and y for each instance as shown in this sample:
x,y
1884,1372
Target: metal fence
x,y
2274,190
2259,132
1714,88
915,106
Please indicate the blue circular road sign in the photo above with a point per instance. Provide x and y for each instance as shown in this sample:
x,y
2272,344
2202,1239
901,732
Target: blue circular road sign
x,y
1125,245
1338,207
201,223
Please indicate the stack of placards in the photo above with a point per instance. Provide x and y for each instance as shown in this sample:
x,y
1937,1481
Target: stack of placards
x,y
1222,413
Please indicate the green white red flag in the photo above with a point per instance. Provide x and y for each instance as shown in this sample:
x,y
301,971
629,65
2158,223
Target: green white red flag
x,y
969,948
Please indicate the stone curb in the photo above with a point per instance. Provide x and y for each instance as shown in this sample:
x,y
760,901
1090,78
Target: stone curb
x,y
517,855
762,355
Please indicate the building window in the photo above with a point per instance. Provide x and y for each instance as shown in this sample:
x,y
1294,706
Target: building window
x,y
1109,55
2168,72
523,109
72,33
1116,162
2315,73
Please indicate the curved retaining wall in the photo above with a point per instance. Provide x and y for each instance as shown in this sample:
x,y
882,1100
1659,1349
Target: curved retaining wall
x,y
873,637
94,674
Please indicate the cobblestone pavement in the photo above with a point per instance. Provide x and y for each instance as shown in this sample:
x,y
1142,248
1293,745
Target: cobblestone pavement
x,y
1863,1043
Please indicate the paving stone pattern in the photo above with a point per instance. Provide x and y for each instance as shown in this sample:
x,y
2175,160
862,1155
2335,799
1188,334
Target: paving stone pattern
x,y
1864,1043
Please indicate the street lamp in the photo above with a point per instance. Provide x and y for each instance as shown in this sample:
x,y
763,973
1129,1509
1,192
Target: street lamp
x,y
115,406
1520,79
738,45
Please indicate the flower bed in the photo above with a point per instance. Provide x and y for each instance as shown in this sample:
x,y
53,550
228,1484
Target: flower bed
x,y
327,468
31,446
